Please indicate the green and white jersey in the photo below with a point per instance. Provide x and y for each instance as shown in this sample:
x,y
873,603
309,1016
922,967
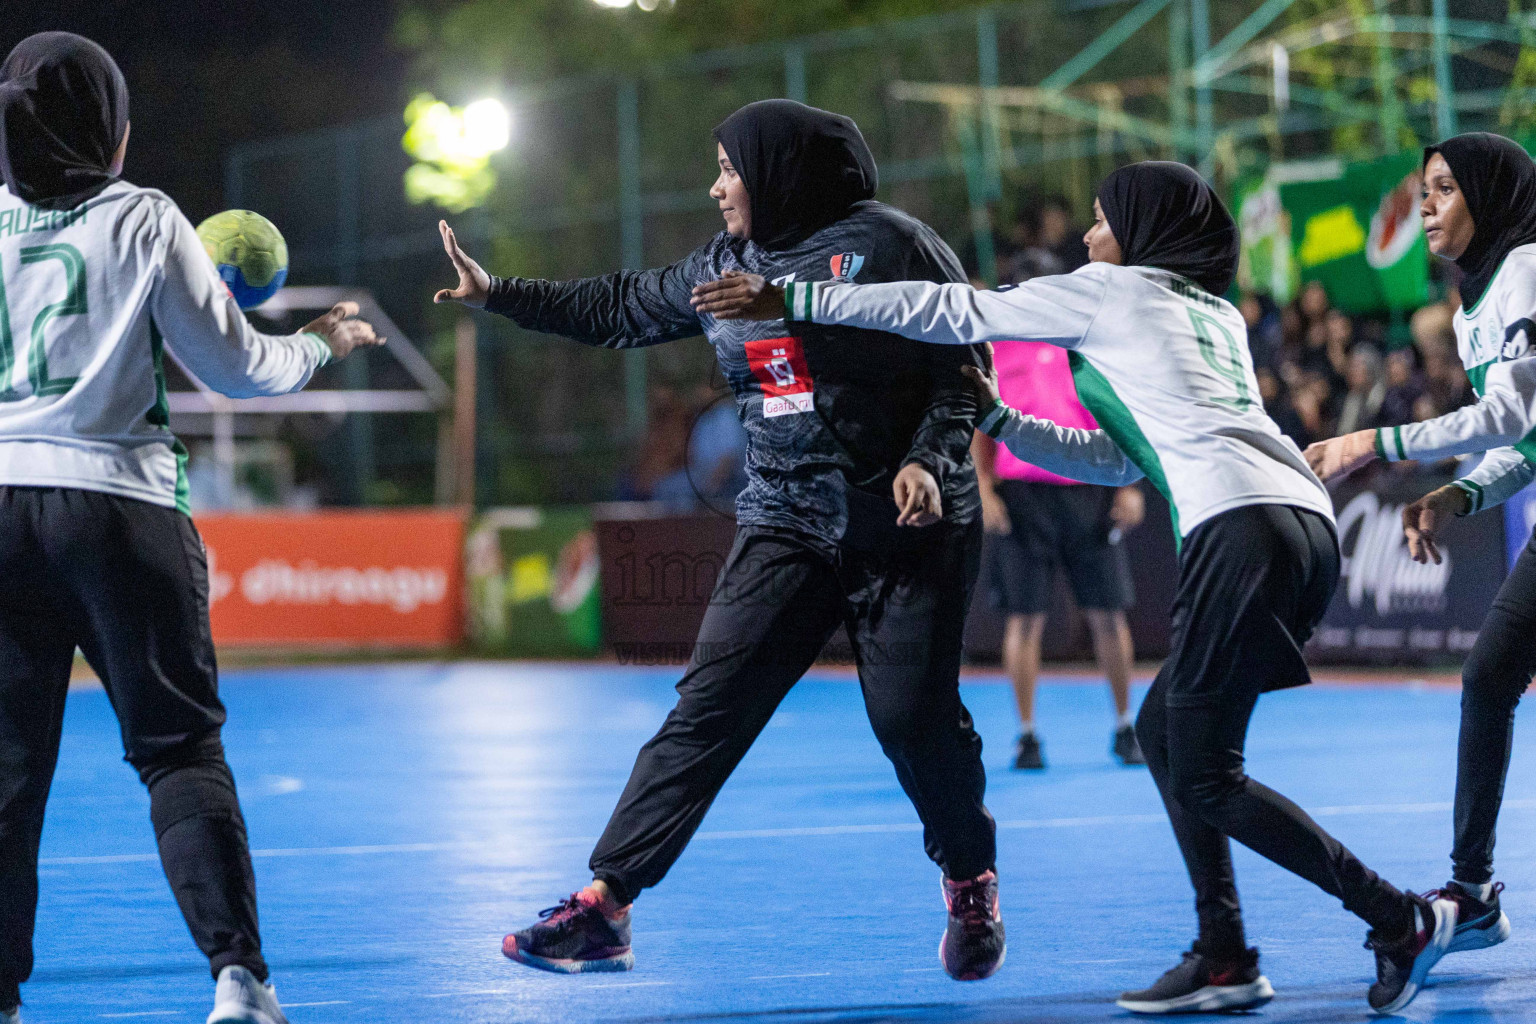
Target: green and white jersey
x,y
1161,363
1494,341
89,299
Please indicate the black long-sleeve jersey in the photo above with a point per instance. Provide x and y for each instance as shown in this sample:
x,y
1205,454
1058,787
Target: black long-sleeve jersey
x,y
831,413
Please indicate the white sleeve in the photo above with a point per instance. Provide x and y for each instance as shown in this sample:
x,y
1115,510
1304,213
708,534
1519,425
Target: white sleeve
x,y
1503,416
1501,475
207,331
1090,456
1057,310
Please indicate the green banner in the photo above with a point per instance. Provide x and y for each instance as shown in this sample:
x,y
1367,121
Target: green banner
x,y
1265,266
1361,236
533,583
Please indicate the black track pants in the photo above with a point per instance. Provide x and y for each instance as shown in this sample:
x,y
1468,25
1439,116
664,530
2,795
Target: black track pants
x,y
1493,679
127,582
1253,583
778,600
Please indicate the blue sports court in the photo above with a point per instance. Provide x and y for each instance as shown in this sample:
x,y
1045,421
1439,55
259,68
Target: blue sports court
x,y
404,817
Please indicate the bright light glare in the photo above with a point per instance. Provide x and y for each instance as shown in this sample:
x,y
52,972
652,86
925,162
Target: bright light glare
x,y
613,3
487,126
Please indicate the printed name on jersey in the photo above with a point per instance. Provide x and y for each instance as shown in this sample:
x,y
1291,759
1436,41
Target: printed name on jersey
x,y
781,372
846,266
34,218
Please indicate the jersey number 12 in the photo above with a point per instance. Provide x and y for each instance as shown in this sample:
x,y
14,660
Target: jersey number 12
x,y
73,304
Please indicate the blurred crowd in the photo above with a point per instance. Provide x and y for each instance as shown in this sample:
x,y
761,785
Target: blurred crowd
x,y
1321,373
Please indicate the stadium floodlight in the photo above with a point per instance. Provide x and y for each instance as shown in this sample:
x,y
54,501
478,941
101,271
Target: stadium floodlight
x,y
487,126
644,5
615,4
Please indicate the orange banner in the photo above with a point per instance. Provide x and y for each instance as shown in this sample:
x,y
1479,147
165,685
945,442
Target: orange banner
x,y
368,578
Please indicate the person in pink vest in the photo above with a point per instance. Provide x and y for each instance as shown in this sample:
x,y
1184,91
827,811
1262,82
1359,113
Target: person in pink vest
x,y
1038,521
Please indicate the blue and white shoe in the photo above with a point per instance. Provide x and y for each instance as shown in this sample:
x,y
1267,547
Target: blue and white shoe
x,y
1479,923
574,937
1403,964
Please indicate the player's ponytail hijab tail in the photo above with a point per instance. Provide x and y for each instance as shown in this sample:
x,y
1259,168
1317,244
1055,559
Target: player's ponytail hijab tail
x,y
63,112
1497,179
1164,215
803,167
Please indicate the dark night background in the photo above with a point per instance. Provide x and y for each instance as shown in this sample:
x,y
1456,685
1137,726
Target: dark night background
x,y
206,74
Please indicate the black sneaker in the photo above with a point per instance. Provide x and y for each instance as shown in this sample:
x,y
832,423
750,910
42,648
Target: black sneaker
x,y
1203,985
1028,754
1125,748
573,938
973,946
1479,923
1403,964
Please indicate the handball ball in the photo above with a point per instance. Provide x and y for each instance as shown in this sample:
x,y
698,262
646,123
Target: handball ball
x,y
250,253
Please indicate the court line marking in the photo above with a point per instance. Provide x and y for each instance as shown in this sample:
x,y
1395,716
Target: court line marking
x,y
1341,810
145,1013
471,992
321,1002
781,977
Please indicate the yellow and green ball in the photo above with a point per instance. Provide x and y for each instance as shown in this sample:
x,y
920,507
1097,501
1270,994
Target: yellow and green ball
x,y
250,253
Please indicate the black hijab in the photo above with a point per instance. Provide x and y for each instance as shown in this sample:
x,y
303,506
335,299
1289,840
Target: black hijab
x,y
803,167
1498,180
63,112
1164,215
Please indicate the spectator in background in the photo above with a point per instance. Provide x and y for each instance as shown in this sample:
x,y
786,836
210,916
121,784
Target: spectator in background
x,y
660,471
1367,391
1050,244
717,449
1037,521
1404,386
1277,402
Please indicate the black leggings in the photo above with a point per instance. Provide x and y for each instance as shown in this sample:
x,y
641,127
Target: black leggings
x,y
1253,583
126,581
1493,679
778,600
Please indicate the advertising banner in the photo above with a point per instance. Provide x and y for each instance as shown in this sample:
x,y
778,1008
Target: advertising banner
x,y
1360,234
335,578
533,583
1391,609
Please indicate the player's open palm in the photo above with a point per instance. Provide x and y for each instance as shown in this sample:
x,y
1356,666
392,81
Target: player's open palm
x,y
1340,455
917,496
340,330
739,296
474,283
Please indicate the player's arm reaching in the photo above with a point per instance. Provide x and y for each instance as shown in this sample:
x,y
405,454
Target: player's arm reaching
x,y
193,311
1057,310
1090,456
628,309
943,436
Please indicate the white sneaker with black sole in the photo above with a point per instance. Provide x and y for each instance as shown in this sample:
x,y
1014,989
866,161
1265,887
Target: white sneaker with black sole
x,y
1202,985
240,999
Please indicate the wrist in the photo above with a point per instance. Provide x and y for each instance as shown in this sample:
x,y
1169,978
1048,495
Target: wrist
x,y
991,419
1461,496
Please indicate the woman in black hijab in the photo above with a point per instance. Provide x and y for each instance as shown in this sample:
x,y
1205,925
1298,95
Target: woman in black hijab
x,y
1160,359
859,475
1479,209
63,120
97,546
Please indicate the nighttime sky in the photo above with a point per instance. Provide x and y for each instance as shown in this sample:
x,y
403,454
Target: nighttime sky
x,y
204,74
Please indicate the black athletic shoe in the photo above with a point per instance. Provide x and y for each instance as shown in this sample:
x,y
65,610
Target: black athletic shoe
x,y
1028,753
1479,923
1125,748
973,946
1403,964
1203,985
573,938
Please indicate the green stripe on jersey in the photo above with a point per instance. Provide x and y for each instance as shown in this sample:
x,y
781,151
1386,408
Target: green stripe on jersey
x,y
160,415
1478,375
1099,398
1475,492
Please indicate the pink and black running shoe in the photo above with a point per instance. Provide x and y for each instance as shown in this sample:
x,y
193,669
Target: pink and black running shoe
x,y
573,938
973,946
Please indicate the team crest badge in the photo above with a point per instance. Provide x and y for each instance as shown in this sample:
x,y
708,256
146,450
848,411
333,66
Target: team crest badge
x,y
846,266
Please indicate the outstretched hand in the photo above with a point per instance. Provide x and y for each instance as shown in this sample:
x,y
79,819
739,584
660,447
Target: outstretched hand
x,y
342,333
738,295
474,283
983,386
1340,455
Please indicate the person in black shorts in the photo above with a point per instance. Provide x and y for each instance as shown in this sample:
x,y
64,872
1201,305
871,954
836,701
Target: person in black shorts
x,y
1036,522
